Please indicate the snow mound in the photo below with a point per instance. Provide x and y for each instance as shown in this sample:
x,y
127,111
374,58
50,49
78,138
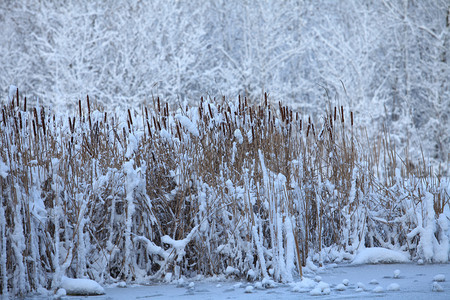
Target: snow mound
x,y
81,287
436,287
380,256
305,285
439,278
322,288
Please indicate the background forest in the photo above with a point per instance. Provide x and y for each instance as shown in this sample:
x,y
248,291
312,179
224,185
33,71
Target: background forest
x,y
385,60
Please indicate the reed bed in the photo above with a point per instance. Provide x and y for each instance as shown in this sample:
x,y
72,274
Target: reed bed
x,y
255,191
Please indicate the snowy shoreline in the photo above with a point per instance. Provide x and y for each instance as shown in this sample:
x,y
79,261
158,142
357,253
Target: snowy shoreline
x,y
381,281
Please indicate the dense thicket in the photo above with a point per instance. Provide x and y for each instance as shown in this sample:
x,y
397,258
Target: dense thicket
x,y
386,60
254,191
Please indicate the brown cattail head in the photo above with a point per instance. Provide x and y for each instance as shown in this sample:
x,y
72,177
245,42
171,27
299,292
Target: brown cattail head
x,y
129,116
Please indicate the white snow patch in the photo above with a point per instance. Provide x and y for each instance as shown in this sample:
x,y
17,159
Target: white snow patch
x,y
341,287
60,293
238,136
188,124
437,287
305,285
397,273
439,278
4,169
378,255
322,288
83,287
249,289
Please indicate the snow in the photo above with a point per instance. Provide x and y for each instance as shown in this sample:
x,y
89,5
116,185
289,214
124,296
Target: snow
x,y
4,169
380,255
81,287
439,278
238,136
188,124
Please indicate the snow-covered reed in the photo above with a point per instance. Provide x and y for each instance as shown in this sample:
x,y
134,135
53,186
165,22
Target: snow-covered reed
x,y
227,188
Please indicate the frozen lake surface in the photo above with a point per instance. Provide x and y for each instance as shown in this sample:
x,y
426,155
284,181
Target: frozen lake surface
x,y
381,281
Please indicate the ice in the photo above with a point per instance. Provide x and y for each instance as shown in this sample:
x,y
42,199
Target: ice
x,y
378,255
83,287
393,287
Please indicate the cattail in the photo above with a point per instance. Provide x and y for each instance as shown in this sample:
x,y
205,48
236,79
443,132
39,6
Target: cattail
x,y
210,111
159,105
342,114
239,107
88,104
307,131
35,116
34,128
154,122
25,104
43,120
20,120
351,117
129,115
79,108
106,117
4,116
70,125
335,113
17,97
178,130
265,99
